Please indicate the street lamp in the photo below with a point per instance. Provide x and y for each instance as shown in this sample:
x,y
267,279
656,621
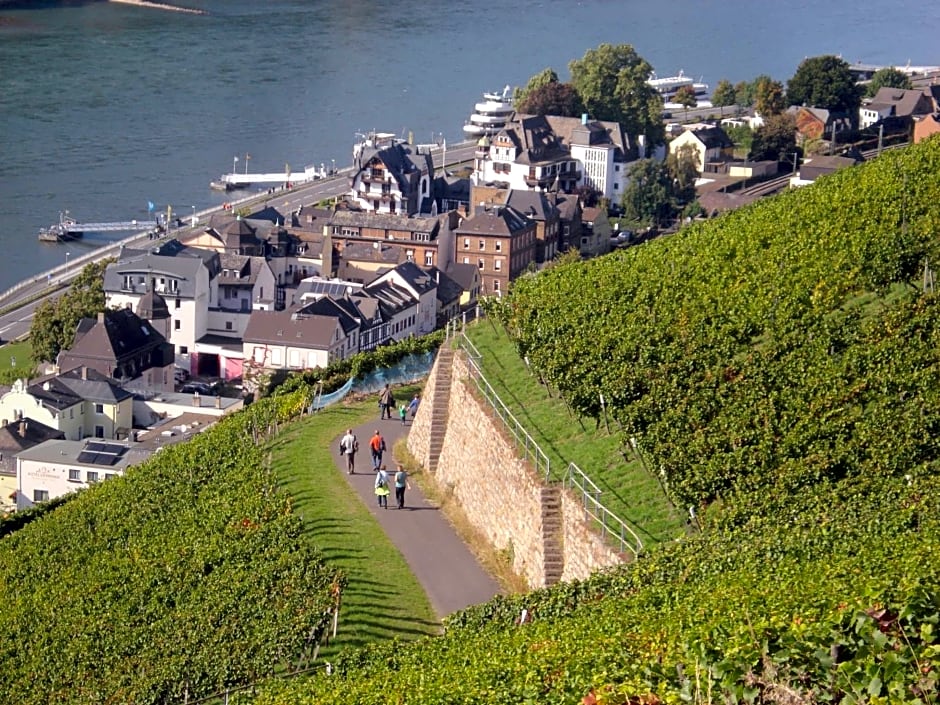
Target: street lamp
x,y
247,157
334,167
67,262
194,216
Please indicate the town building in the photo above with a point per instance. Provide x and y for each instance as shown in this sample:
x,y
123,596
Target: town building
x,y
16,437
391,177
81,402
500,241
120,344
711,145
58,467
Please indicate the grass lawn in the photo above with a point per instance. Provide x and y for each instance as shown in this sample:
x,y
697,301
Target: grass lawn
x,y
629,491
21,352
382,600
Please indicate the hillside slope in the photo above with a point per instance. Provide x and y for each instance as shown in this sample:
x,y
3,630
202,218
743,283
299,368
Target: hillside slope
x,y
779,366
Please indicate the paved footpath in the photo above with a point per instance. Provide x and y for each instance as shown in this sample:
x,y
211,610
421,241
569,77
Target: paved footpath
x,y
441,562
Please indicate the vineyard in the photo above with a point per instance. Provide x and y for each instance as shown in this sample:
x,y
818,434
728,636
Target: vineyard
x,y
183,577
778,369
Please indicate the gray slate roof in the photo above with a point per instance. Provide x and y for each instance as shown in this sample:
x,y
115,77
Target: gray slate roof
x,y
284,328
69,388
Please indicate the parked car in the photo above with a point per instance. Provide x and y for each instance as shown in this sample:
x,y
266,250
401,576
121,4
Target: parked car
x,y
197,388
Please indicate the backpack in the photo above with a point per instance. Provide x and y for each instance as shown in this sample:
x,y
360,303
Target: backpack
x,y
381,480
342,448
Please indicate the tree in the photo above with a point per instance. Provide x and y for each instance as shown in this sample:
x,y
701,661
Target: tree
x,y
768,96
744,94
54,322
612,83
683,166
724,95
825,82
686,97
649,196
775,138
552,99
888,77
542,78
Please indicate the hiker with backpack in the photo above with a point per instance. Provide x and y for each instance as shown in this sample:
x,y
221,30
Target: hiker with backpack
x,y
381,487
377,446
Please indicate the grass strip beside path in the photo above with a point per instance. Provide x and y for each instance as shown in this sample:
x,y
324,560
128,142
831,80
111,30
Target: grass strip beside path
x,y
629,491
382,600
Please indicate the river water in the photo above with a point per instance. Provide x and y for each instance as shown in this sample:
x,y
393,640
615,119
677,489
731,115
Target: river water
x,y
106,107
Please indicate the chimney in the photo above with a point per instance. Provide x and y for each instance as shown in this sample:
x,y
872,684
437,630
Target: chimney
x,y
196,401
218,402
22,428
85,369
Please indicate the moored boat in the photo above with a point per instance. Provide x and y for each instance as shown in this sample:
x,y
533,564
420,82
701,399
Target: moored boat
x,y
66,229
668,86
491,115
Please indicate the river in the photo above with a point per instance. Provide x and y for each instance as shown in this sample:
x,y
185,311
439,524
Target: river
x,y
106,107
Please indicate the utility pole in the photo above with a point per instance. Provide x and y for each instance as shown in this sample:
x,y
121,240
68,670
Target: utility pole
x,y
881,133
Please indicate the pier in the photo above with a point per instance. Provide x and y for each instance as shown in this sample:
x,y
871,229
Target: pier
x,y
70,229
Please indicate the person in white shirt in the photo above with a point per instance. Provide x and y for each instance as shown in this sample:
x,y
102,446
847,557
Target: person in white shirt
x,y
349,446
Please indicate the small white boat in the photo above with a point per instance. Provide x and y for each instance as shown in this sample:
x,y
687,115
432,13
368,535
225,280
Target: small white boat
x,y
491,115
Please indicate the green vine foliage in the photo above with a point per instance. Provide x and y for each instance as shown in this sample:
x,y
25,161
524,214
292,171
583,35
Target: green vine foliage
x,y
779,367
186,576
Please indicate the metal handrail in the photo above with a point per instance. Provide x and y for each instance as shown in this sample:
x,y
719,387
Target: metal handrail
x,y
607,522
531,449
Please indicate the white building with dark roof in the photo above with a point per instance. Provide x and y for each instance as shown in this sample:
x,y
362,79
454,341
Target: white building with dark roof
x,y
391,177
58,467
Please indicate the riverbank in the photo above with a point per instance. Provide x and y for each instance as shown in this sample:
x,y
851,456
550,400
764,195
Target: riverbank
x,y
161,6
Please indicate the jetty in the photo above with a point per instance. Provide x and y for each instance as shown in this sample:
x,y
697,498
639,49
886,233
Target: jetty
x,y
70,229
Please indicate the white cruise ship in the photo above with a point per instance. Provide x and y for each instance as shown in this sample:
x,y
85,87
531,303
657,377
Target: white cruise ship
x,y
669,85
491,115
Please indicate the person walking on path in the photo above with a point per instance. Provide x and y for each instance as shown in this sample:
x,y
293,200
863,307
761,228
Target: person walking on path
x,y
413,406
403,413
349,446
381,487
401,484
386,402
377,446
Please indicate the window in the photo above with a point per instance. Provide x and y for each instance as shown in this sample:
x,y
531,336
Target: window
x,y
91,476
428,259
466,243
482,244
498,265
228,325
480,264
99,431
496,285
176,324
99,408
184,349
109,476
499,245
40,495
75,475
275,356
177,303
466,260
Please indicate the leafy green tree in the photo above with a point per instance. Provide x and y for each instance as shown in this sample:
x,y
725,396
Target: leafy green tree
x,y
768,96
775,138
825,82
54,322
888,77
612,82
552,99
683,166
686,97
649,196
744,94
542,78
724,95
